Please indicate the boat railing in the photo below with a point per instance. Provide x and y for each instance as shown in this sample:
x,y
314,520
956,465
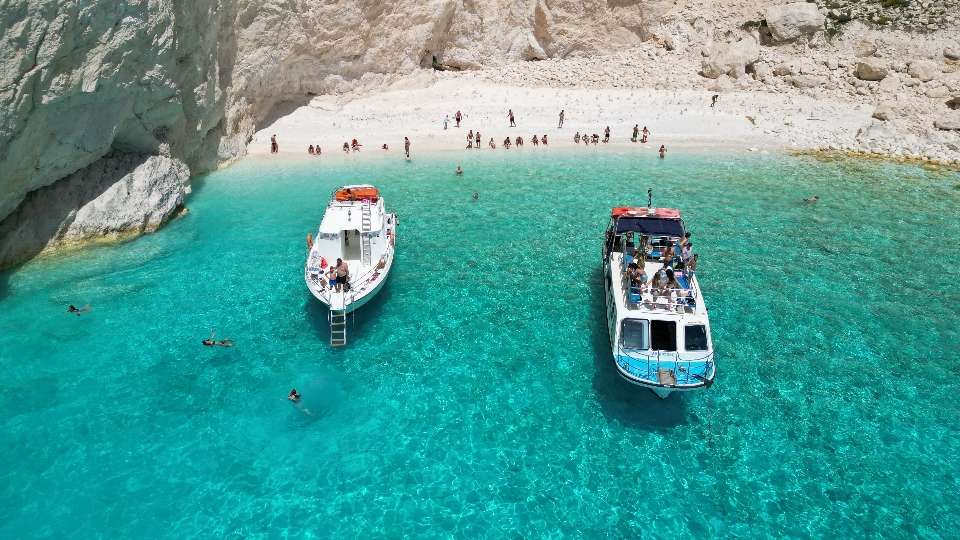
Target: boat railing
x,y
683,367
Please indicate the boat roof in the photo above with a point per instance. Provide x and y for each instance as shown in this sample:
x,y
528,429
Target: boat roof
x,y
348,216
649,221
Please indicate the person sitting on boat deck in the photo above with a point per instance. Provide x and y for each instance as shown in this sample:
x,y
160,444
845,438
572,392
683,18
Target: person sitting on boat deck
x,y
293,395
685,239
691,266
686,252
506,143
343,275
576,138
639,278
628,273
491,143
535,141
668,255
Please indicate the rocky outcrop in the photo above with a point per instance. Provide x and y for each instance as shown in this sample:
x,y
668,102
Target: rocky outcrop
x,y
949,122
924,70
116,196
871,70
731,59
788,22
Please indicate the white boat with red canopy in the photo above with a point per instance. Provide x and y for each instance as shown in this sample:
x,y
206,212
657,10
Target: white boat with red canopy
x,y
659,328
356,229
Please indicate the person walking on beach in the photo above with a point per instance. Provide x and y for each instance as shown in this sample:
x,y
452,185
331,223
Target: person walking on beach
x,y
713,100
606,134
560,124
446,120
470,136
457,118
636,133
274,147
646,133
406,146
544,139
510,116
663,151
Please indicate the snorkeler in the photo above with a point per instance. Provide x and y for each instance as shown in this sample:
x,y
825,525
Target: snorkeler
x,y
210,342
811,200
293,395
77,311
476,196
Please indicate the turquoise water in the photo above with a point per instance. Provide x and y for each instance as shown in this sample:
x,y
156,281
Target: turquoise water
x,y
477,396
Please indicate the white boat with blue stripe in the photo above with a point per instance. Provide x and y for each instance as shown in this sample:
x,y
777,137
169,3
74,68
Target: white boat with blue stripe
x,y
658,323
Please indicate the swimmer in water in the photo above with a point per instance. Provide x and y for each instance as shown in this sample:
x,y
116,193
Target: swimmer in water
x,y
459,171
77,311
476,196
293,395
811,200
210,342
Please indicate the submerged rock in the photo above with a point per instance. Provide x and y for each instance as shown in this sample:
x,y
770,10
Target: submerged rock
x,y
118,195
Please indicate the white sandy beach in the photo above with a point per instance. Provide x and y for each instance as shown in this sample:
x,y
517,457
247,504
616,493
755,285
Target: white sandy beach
x,y
677,119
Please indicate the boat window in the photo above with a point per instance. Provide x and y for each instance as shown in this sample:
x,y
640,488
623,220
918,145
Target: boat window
x,y
663,335
695,337
634,334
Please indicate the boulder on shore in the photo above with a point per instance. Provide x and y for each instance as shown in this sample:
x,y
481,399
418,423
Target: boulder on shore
x,y
788,22
949,122
925,70
865,48
871,70
731,59
884,111
954,103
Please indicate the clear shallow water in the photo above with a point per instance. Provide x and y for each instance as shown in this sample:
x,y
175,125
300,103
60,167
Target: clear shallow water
x,y
477,396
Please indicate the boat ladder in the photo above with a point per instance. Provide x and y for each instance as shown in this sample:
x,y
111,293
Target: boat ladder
x,y
338,323
365,230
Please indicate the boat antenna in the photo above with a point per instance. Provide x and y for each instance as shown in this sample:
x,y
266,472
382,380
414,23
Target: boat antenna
x,y
649,197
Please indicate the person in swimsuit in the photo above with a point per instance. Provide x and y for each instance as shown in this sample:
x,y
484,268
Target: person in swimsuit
x,y
663,151
210,342
646,133
446,120
544,139
310,149
560,124
459,171
457,118
606,134
77,311
492,144
535,141
470,136
576,138
713,100
293,395
510,116
274,147
636,133
506,143
519,141
343,275
478,140
406,141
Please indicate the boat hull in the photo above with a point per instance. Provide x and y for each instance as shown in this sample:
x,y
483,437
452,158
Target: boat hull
x,y
357,302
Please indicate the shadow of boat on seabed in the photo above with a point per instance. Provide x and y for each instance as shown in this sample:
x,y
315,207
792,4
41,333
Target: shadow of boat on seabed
x,y
619,400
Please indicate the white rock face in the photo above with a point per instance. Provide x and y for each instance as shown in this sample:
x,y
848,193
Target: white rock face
x,y
788,22
731,59
113,197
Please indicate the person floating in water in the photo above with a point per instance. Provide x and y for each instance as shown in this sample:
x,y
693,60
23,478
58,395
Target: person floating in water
x,y
811,200
459,171
210,342
293,395
476,195
77,311
663,151
274,147
406,141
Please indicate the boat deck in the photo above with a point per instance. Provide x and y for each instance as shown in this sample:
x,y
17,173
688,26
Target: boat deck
x,y
684,372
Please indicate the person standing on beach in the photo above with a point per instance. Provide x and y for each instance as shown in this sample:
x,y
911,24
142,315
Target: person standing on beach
x,y
457,118
478,140
406,146
636,133
606,134
560,124
274,147
713,100
446,120
470,136
510,116
646,133
663,151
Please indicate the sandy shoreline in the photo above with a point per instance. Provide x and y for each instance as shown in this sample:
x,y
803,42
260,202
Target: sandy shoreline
x,y
740,120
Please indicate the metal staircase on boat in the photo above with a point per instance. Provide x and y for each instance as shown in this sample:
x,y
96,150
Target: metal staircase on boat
x,y
365,230
338,323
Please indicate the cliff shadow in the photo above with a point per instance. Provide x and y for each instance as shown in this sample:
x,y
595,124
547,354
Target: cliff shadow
x,y
621,401
4,283
46,212
283,108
